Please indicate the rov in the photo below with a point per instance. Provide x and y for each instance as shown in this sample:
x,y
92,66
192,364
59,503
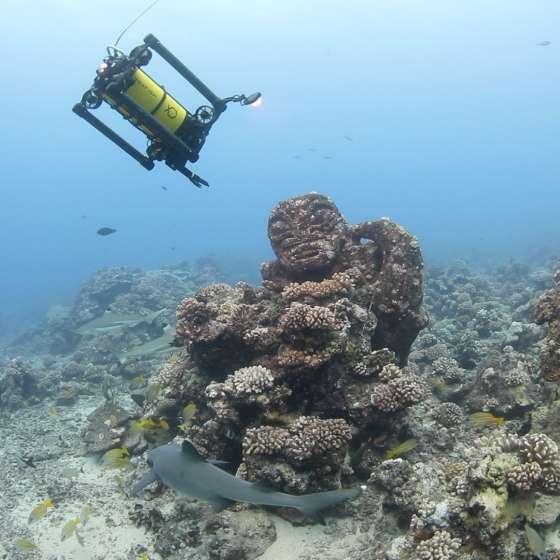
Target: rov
x,y
175,135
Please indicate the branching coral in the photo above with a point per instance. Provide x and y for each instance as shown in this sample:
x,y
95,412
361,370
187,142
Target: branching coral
x,y
311,335
265,440
306,438
300,317
340,284
398,393
313,437
540,468
292,358
305,456
262,339
371,363
390,372
379,359
167,388
442,546
249,381
191,317
219,324
448,369
449,414
525,477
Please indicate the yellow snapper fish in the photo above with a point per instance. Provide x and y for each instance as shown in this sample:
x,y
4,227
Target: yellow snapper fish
x,y
438,384
153,392
40,510
53,411
25,545
85,514
483,419
401,449
276,417
150,425
189,414
117,458
137,381
69,529
537,545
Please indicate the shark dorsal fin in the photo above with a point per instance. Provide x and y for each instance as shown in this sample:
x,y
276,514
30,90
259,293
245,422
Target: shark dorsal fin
x,y
190,451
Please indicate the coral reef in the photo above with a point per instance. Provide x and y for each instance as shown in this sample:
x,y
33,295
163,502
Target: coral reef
x,y
304,384
293,369
469,494
548,311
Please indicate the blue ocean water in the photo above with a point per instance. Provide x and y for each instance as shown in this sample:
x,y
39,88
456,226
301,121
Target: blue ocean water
x,y
441,115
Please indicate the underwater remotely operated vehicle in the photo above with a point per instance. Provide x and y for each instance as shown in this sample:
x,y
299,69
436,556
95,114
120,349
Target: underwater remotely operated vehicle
x,y
175,135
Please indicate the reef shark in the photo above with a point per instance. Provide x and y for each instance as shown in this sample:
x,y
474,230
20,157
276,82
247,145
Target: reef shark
x,y
110,321
158,346
184,470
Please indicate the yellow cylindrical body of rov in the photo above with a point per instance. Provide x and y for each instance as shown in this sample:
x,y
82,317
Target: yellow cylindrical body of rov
x,y
154,100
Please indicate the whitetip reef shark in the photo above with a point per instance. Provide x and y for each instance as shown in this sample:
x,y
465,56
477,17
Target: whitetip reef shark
x,y
183,469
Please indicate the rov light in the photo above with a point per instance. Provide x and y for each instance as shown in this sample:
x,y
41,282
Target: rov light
x,y
257,103
255,99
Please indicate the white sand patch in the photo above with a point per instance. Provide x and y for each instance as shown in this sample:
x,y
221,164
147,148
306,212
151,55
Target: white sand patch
x,y
108,533
291,542
316,541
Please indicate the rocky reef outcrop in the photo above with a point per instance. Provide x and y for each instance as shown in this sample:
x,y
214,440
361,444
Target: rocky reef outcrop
x,y
21,385
548,311
313,241
289,376
115,310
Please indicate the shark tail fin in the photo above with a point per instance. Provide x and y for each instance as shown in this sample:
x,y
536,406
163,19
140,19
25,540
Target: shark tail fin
x,y
311,505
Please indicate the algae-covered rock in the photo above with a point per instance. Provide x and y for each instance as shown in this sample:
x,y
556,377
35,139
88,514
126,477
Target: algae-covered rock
x,y
105,428
544,419
546,509
505,386
492,503
192,532
20,386
492,470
